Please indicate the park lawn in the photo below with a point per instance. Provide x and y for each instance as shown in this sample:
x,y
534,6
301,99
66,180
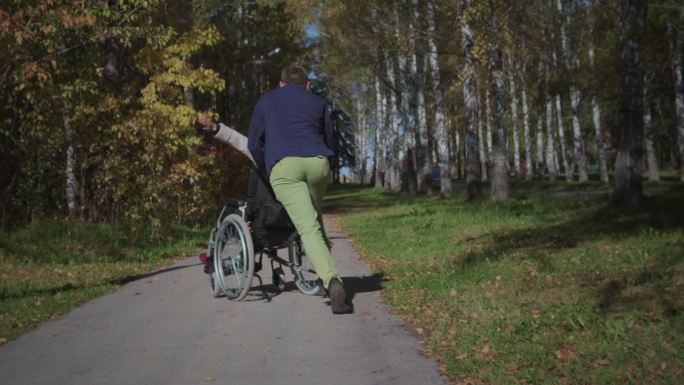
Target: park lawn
x,y
50,267
538,290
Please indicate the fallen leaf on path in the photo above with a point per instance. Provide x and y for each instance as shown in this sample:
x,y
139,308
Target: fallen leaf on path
x,y
3,340
548,280
565,353
419,330
601,362
375,371
209,379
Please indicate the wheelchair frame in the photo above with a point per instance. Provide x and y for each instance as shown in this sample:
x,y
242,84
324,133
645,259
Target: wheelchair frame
x,y
237,258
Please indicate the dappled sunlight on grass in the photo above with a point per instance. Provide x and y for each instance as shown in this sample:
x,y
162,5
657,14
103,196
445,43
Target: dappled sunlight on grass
x,y
540,289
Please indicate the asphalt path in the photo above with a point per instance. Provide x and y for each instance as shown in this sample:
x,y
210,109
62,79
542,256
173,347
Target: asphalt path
x,y
167,329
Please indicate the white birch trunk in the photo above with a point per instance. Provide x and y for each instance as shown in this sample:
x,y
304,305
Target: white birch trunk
x,y
653,174
499,170
598,130
578,140
526,134
651,161
421,152
70,170
483,156
379,135
441,135
551,157
539,166
676,53
514,120
473,148
561,139
393,134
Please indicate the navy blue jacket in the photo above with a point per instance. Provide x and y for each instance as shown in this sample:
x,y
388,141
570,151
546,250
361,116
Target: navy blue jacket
x,y
289,121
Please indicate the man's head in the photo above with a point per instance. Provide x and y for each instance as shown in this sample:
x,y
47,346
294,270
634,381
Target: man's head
x,y
294,74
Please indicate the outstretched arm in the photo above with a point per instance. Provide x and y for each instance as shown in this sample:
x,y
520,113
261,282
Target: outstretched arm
x,y
225,134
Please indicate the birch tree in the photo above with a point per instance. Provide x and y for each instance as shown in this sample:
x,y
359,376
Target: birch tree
x,y
441,134
628,190
471,108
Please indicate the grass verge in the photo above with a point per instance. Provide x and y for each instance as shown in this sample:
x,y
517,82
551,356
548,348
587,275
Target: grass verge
x,y
539,290
50,267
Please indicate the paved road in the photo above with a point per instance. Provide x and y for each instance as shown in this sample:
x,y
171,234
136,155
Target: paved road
x,y
166,329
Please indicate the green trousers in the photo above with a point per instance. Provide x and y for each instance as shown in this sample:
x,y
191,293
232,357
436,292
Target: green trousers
x,y
300,184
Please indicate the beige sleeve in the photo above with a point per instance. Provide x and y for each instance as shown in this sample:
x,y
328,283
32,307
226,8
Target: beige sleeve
x,y
234,139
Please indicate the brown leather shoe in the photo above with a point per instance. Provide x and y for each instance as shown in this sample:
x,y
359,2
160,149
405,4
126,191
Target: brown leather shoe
x,y
338,298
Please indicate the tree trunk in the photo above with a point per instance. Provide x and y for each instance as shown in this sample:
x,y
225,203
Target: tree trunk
x,y
551,157
393,153
514,119
379,135
481,147
628,191
70,171
578,140
441,134
579,154
499,169
540,165
567,167
488,133
676,54
471,111
598,130
651,160
526,133
423,155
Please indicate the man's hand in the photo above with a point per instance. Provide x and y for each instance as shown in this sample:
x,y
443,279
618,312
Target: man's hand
x,y
207,122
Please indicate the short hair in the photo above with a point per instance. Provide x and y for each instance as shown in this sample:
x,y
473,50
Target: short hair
x,y
294,74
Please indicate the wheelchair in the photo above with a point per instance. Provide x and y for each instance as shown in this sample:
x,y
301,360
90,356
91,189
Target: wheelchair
x,y
245,234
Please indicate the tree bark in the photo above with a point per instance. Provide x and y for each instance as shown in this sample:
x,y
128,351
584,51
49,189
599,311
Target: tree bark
x,y
70,167
567,167
379,135
628,190
578,147
676,54
598,130
471,111
499,169
540,165
481,147
526,133
651,160
551,157
514,119
422,153
441,134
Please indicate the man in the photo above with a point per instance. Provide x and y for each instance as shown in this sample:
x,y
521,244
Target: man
x,y
290,139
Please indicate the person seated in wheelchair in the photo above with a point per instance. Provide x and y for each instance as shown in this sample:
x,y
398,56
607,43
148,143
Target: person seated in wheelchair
x,y
290,141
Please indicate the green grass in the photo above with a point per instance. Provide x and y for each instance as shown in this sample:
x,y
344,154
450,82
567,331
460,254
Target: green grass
x,y
539,290
48,268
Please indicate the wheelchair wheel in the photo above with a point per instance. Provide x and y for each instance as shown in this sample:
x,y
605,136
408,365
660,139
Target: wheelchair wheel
x,y
214,287
234,257
305,277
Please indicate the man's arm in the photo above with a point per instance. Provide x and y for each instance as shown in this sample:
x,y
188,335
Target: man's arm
x,y
255,137
234,139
